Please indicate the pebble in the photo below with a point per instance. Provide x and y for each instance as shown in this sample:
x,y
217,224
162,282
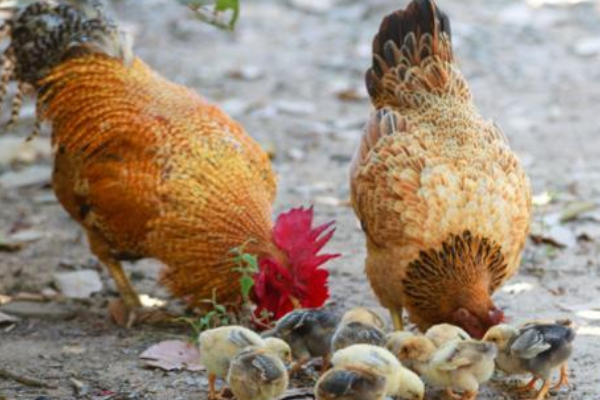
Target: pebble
x,y
78,284
31,309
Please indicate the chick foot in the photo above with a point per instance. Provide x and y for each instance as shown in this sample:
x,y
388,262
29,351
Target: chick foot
x,y
450,393
543,391
529,387
564,378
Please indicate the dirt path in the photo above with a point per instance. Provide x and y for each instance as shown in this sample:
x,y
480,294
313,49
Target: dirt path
x,y
534,71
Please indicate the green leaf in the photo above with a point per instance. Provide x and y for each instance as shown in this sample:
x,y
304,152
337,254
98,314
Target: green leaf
x,y
211,11
246,284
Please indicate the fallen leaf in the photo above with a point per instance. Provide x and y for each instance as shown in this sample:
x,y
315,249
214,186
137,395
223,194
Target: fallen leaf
x,y
173,355
7,319
78,284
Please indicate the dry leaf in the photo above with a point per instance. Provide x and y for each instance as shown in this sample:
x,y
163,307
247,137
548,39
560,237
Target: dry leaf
x,y
173,355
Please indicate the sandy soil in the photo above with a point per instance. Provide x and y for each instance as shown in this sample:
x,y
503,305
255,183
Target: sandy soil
x,y
533,70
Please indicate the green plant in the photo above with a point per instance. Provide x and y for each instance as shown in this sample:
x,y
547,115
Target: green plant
x,y
217,316
220,13
247,265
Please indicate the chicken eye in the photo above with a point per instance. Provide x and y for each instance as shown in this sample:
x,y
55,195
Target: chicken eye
x,y
279,278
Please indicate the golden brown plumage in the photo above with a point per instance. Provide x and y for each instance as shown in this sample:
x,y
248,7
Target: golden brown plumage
x,y
151,169
444,202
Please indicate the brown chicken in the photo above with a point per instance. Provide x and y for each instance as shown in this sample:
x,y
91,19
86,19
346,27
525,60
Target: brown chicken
x,y
444,202
151,169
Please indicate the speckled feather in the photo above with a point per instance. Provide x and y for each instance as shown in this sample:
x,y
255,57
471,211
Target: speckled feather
x,y
430,169
160,172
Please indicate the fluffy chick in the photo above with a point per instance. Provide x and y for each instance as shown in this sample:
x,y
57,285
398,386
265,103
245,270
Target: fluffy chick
x,y
308,332
364,315
219,346
400,381
536,349
257,374
457,366
351,383
441,334
359,325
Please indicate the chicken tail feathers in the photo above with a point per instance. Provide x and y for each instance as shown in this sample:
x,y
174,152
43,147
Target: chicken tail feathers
x,y
413,59
42,34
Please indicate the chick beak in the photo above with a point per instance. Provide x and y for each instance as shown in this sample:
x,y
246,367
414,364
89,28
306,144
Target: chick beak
x,y
295,302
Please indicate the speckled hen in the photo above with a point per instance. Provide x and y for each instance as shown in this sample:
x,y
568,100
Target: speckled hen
x,y
442,199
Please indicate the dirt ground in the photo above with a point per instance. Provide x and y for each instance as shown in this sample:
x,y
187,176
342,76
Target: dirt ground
x,y
292,73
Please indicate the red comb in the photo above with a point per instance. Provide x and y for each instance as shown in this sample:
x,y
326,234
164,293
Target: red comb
x,y
293,233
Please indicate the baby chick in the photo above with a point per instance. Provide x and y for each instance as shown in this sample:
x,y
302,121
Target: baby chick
x,y
364,315
394,341
400,381
456,366
351,383
359,325
536,349
308,332
443,333
257,374
220,345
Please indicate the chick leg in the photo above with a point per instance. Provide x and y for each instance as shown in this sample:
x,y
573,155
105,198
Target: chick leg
x,y
564,377
468,396
297,366
543,391
212,390
529,387
326,363
450,393
396,315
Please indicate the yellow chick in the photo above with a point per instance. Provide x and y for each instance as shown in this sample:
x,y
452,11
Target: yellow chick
x,y
351,383
220,345
257,374
456,366
441,334
394,341
400,381
535,348
364,315
359,325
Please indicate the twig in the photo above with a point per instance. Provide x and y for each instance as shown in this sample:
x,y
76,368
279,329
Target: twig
x,y
25,380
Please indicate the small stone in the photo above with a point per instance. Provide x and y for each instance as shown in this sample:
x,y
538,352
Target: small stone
x,y
78,284
34,309
587,47
293,107
36,175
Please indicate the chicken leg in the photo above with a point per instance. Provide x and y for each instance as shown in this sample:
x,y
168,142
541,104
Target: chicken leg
x,y
396,315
